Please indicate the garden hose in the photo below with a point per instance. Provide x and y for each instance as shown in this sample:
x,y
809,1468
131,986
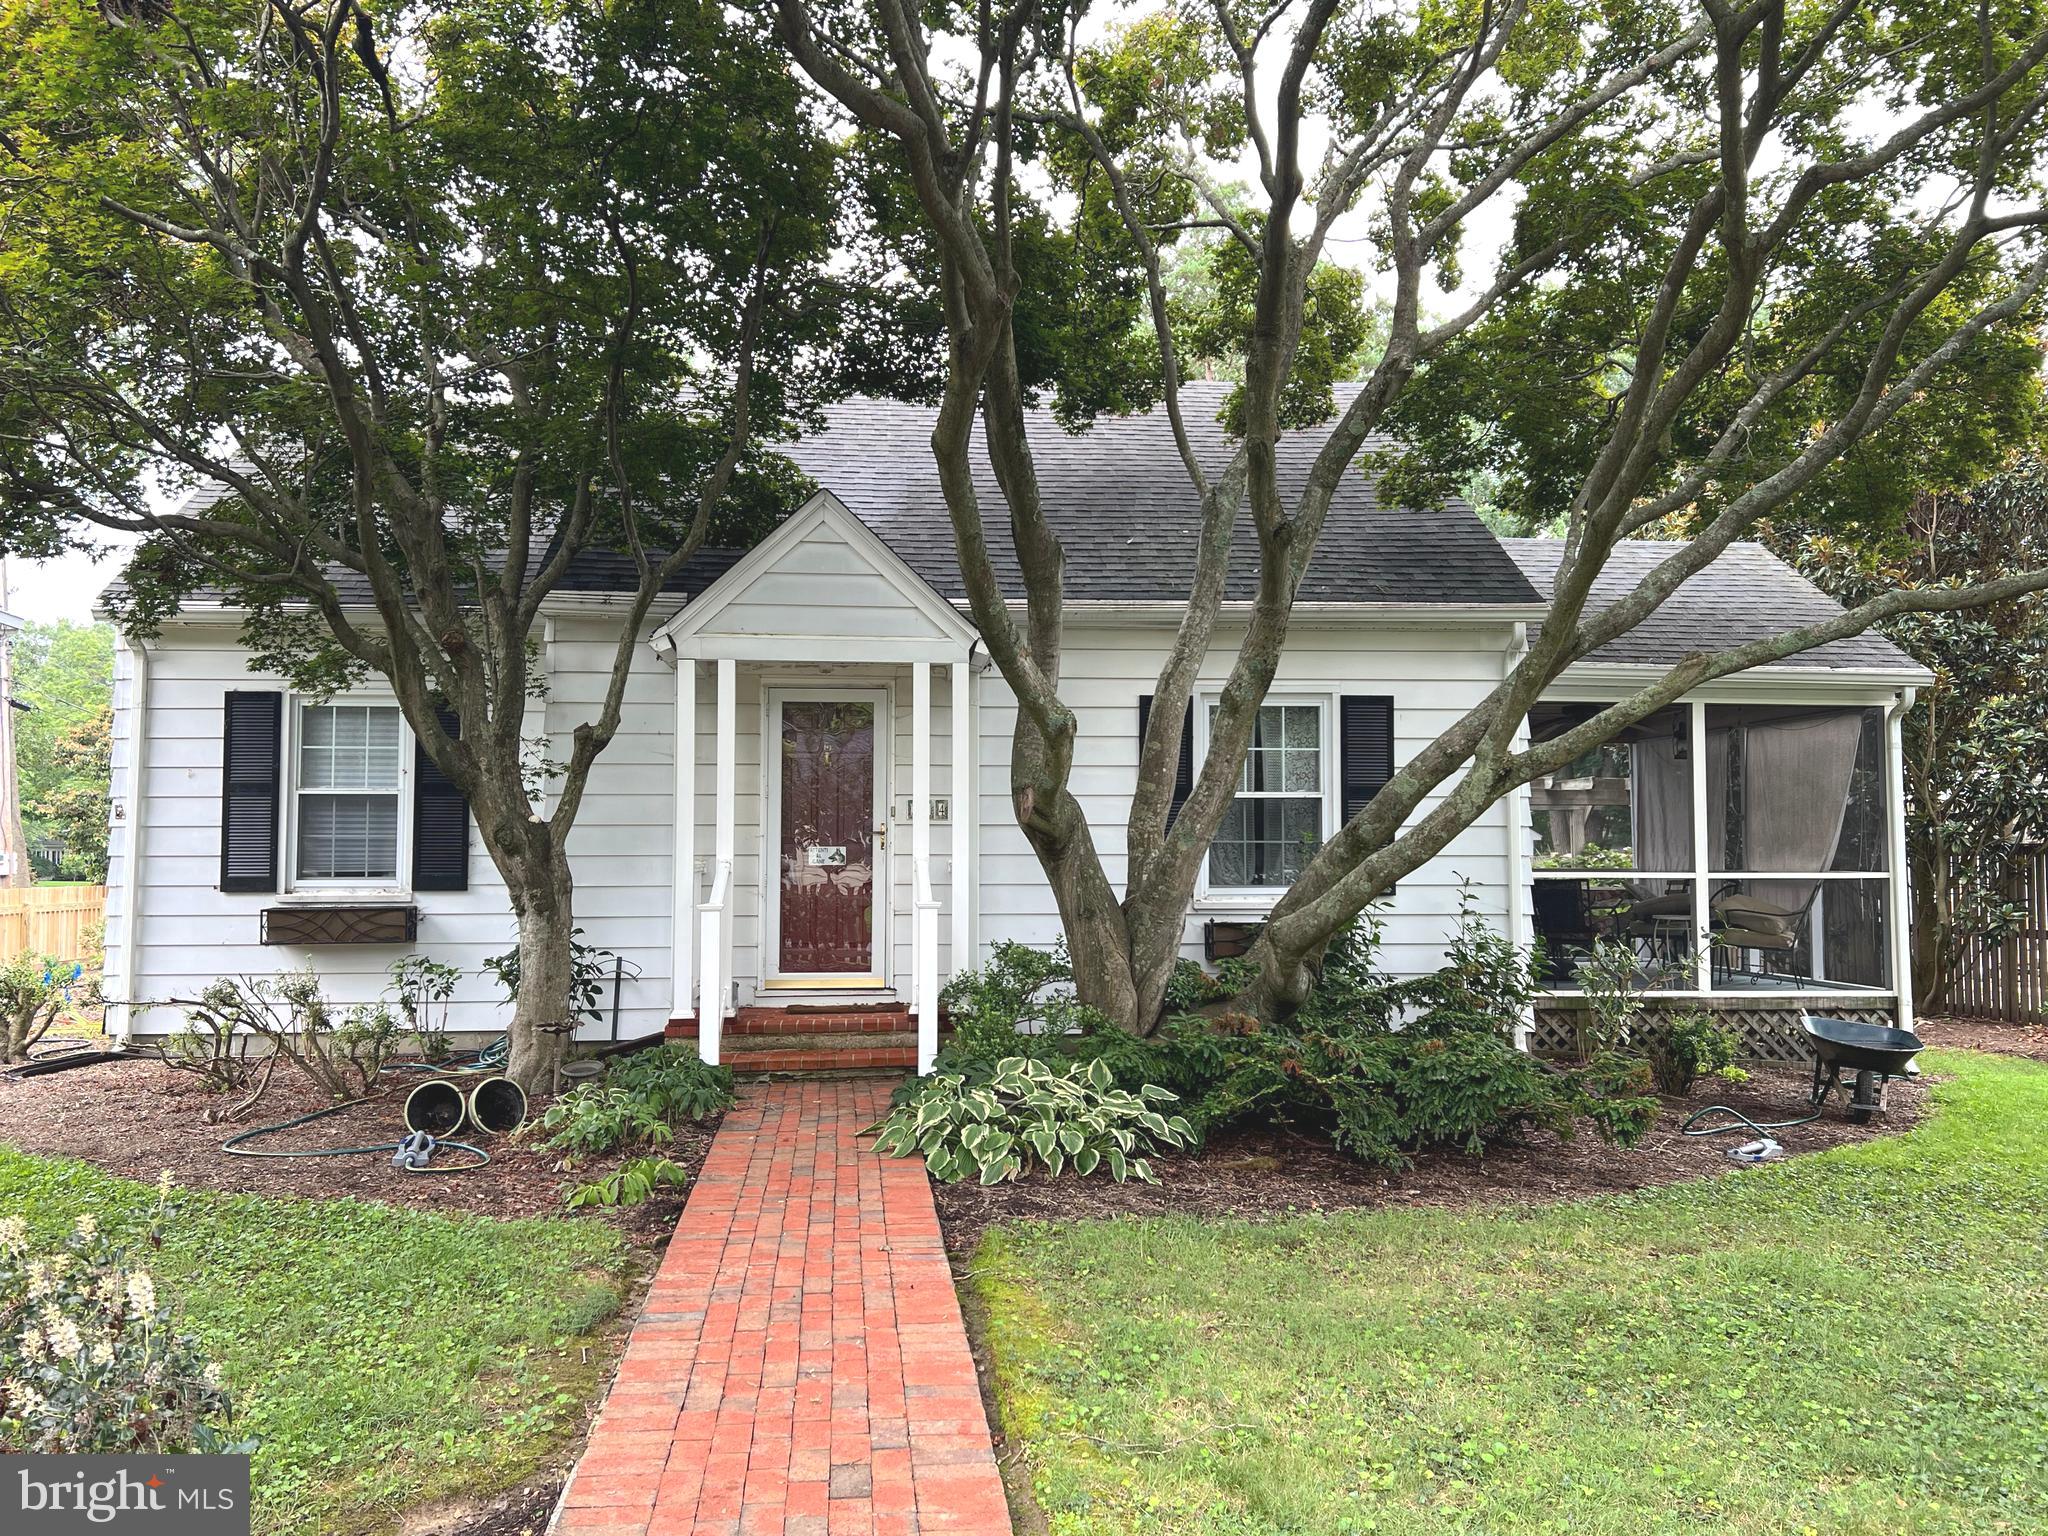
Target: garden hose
x,y
1738,1121
234,1147
491,1058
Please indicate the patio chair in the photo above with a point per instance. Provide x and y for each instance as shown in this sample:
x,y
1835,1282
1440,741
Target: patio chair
x,y
1745,923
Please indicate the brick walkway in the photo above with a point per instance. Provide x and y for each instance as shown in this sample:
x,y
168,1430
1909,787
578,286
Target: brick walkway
x,y
801,1366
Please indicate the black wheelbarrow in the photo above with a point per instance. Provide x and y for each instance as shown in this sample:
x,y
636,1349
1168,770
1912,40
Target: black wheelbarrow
x,y
1876,1053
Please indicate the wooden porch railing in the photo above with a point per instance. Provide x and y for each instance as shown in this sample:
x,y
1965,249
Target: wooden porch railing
x,y
924,996
49,920
712,982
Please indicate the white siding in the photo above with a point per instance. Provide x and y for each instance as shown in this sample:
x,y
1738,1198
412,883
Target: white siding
x,y
191,930
1433,675
621,847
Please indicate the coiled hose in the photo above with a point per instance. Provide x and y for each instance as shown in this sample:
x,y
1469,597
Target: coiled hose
x,y
490,1058
235,1146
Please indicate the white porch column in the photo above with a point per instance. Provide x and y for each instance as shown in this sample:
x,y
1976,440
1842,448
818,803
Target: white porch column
x,y
724,837
683,896
1895,826
961,885
924,959
1702,883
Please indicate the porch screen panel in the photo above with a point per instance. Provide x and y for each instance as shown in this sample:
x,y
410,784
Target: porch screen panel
x,y
1625,804
827,838
1796,806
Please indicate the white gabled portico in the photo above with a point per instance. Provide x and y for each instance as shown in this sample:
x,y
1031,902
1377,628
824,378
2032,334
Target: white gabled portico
x,y
794,895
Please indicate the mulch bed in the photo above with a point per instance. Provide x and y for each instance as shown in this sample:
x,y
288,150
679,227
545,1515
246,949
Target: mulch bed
x,y
1986,1035
1269,1173
140,1117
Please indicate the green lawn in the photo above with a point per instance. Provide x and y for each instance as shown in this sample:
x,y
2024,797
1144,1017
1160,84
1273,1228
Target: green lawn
x,y
382,1356
1855,1342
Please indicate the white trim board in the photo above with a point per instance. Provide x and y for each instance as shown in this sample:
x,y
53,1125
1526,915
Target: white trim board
x,y
694,632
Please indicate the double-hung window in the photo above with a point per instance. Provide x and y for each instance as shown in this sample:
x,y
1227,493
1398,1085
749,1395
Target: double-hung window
x,y
1278,817
347,787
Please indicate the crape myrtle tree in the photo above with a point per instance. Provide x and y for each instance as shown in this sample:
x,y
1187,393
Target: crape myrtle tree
x,y
437,298
1758,257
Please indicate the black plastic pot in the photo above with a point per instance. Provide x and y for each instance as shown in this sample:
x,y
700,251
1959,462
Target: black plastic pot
x,y
497,1106
435,1107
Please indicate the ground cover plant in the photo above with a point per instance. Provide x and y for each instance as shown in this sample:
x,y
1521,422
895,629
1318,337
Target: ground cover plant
x,y
1845,1344
642,1098
380,1357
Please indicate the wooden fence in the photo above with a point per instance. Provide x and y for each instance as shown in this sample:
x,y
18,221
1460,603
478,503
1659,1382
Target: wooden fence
x,y
2008,980
50,920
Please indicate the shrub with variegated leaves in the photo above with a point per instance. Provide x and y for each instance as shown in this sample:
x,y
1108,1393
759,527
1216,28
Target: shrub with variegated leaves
x,y
1032,1114
92,1358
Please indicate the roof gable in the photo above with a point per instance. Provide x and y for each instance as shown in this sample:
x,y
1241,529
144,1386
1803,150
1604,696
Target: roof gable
x,y
822,576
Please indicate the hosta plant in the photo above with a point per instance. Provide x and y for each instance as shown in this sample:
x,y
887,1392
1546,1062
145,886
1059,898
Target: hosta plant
x,y
1032,1114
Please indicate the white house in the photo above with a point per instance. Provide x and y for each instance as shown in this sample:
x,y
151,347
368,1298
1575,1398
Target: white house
x,y
1747,843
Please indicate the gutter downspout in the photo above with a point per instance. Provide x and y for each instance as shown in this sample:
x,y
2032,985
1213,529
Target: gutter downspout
x,y
1901,882
1520,932
131,808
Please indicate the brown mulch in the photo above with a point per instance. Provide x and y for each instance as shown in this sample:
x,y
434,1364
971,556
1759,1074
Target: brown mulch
x,y
1986,1035
1270,1173
139,1117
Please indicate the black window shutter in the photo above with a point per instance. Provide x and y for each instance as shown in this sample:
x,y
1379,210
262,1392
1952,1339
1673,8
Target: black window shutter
x,y
1184,765
440,822
1365,741
251,763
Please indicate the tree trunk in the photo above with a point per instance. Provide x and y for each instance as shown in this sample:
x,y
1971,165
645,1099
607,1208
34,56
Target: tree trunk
x,y
541,888
543,1018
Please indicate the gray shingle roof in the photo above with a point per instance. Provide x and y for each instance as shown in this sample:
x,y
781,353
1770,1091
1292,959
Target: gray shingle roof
x,y
1120,500
1746,594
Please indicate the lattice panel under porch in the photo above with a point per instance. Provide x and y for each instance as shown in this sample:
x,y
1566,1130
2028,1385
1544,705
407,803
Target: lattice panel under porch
x,y
1768,1032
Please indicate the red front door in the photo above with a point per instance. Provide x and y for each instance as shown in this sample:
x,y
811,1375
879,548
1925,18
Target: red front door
x,y
827,838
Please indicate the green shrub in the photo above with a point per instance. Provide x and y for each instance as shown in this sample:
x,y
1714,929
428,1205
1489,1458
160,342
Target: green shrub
x,y
1384,1096
643,1096
1028,1114
366,1038
91,1358
424,988
592,971
597,1118
35,992
674,1080
1019,1004
1614,1094
1612,979
631,1183
1487,983
1685,1048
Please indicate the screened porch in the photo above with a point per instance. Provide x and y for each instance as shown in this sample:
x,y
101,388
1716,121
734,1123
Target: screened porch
x,y
1734,849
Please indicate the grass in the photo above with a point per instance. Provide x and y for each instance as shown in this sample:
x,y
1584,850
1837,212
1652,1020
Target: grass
x,y
1844,1345
382,1357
